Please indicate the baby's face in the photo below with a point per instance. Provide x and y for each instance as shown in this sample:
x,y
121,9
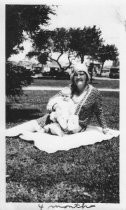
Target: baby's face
x,y
66,97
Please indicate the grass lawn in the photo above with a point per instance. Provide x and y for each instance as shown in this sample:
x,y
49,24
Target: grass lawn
x,y
96,83
84,174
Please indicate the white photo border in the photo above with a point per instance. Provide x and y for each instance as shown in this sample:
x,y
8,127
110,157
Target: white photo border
x,y
122,51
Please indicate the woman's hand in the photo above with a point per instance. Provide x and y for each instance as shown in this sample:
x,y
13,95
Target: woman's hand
x,y
106,130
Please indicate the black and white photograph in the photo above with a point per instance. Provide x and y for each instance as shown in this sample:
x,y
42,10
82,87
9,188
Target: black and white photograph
x,y
62,103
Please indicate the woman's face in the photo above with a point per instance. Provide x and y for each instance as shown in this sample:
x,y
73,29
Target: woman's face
x,y
80,79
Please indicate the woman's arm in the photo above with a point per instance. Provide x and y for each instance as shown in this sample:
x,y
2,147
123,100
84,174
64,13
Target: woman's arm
x,y
98,110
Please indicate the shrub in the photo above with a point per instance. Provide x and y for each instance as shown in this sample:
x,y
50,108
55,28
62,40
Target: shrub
x,y
16,78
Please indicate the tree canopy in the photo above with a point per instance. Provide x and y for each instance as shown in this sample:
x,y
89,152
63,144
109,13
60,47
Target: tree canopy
x,y
20,18
74,42
59,41
106,52
49,42
85,41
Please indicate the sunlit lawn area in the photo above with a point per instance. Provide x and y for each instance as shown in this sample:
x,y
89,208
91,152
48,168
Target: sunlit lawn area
x,y
96,83
84,174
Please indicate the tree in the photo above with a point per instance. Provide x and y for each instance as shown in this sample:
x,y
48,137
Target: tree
x,y
55,41
90,70
71,42
19,19
41,57
59,42
106,52
85,41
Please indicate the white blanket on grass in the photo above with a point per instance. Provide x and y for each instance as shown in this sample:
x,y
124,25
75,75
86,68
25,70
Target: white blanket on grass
x,y
51,143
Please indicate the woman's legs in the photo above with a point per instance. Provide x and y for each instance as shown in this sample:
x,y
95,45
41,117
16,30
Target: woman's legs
x,y
30,126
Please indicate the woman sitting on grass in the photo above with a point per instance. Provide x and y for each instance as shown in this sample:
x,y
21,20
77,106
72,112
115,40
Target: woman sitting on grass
x,y
87,102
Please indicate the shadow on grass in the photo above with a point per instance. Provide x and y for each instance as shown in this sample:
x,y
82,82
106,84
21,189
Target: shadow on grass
x,y
85,174
15,115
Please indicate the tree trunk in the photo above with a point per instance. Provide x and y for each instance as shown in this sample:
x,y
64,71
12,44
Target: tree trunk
x,y
90,70
59,64
101,69
42,69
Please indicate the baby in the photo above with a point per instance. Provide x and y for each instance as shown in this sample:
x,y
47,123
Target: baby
x,y
63,119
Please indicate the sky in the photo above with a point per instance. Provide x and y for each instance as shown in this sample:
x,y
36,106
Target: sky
x,y
107,17
80,15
